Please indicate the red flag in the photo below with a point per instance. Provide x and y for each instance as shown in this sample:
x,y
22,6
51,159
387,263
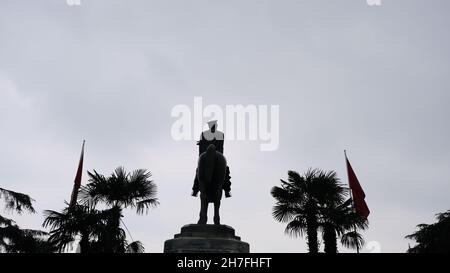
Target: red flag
x,y
358,193
77,182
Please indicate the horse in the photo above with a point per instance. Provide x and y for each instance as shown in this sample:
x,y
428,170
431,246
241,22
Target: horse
x,y
211,174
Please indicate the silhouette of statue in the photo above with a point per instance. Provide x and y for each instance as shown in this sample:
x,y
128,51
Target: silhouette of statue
x,y
212,174
212,136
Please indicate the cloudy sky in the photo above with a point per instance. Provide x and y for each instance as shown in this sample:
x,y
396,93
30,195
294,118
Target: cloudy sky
x,y
372,80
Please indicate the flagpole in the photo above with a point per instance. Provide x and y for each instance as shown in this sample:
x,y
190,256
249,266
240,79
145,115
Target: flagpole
x,y
77,182
351,196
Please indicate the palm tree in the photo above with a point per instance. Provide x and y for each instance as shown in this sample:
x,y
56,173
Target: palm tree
x,y
119,191
92,227
352,239
337,216
100,230
432,238
71,223
135,247
313,201
340,219
298,202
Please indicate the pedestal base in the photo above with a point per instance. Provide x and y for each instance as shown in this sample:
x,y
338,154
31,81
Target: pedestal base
x,y
206,239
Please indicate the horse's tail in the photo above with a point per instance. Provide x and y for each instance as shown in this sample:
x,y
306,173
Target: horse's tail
x,y
210,158
206,165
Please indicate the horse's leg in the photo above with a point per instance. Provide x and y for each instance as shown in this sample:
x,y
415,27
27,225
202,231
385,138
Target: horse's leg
x,y
216,213
203,211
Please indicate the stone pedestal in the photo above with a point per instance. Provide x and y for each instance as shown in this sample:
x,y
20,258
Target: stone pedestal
x,y
206,239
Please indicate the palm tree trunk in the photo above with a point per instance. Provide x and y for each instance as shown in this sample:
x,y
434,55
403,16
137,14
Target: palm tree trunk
x,y
113,243
330,239
311,233
84,243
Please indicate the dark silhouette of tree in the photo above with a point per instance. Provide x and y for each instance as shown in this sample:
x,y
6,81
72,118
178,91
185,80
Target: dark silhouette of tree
x,y
100,230
329,195
27,241
338,219
16,201
135,247
352,239
13,239
317,201
121,190
72,222
432,238
297,205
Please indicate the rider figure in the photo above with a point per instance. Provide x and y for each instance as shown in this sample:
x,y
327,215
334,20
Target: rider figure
x,y
216,137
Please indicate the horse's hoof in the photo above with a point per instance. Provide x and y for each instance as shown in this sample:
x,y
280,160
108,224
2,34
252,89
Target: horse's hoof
x,y
216,221
202,222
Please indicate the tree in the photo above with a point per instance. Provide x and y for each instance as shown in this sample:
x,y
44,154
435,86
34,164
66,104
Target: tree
x,y
352,239
432,238
16,201
317,201
297,205
100,230
121,189
73,222
14,239
338,219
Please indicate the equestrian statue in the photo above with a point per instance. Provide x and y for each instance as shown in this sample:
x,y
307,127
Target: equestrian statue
x,y
212,174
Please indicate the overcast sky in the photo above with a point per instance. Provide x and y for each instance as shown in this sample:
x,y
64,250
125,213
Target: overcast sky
x,y
372,80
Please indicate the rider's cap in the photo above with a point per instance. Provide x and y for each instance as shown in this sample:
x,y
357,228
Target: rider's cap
x,y
211,123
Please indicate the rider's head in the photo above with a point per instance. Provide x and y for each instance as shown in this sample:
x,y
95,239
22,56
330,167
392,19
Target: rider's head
x,y
212,125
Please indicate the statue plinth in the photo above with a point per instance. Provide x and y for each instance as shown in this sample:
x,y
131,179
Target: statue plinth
x,y
206,239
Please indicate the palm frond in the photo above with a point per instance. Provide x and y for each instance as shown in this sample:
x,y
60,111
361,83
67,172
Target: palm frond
x,y
135,247
283,212
145,205
283,195
123,189
95,191
35,233
352,240
296,228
